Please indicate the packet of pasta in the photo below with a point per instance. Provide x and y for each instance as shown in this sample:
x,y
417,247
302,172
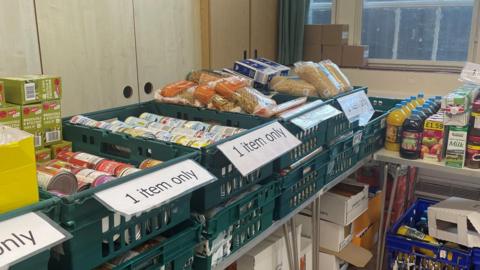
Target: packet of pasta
x,y
319,77
293,87
181,92
338,74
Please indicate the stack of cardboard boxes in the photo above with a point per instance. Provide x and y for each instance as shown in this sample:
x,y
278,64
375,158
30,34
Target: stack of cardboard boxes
x,y
330,41
32,103
348,226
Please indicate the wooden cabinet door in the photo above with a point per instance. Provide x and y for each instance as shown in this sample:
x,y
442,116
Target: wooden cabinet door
x,y
264,28
91,45
229,33
19,53
168,42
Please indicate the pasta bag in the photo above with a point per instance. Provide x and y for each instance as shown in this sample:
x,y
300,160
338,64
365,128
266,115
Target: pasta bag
x,y
292,87
181,92
338,74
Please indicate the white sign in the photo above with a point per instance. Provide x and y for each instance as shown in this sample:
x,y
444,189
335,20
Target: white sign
x,y
310,119
154,189
471,73
357,106
300,109
255,149
27,235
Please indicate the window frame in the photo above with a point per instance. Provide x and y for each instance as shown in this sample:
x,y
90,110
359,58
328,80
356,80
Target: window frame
x,y
332,12
473,53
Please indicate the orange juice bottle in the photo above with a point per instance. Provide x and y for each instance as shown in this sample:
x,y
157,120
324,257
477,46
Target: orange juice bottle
x,y
395,121
414,102
410,105
406,110
421,98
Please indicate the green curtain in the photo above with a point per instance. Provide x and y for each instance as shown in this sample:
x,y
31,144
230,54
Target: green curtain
x,y
292,18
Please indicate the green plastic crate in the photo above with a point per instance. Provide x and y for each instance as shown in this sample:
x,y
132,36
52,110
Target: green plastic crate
x,y
371,143
301,183
230,181
343,156
243,219
100,235
49,207
176,252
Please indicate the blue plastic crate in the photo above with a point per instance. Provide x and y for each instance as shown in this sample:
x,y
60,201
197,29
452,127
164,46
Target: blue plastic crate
x,y
461,259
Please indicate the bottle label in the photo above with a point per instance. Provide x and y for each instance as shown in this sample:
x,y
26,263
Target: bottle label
x,y
393,133
411,141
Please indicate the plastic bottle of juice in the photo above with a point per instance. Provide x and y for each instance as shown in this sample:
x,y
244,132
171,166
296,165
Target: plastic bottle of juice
x,y
421,98
405,108
421,113
395,121
438,101
411,141
432,105
414,101
427,109
410,105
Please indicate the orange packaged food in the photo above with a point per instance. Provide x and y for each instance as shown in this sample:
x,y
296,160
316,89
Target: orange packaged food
x,y
180,92
173,89
227,87
204,94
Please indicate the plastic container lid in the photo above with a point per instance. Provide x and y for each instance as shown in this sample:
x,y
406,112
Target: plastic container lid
x,y
474,139
404,103
476,105
398,106
421,95
413,98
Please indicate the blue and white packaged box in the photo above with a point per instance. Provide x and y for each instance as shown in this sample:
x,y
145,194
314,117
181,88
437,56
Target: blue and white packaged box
x,y
281,69
259,72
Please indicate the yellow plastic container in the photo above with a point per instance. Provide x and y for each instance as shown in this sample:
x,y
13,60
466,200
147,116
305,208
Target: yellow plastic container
x,y
421,98
18,177
415,234
395,121
414,102
406,110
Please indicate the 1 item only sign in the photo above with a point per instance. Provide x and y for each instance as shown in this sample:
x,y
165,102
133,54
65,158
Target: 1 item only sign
x,y
154,189
255,149
27,235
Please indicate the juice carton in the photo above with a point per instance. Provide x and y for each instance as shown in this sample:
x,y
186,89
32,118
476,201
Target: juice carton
x,y
52,122
10,115
32,122
43,155
31,89
2,94
457,142
60,147
432,142
457,105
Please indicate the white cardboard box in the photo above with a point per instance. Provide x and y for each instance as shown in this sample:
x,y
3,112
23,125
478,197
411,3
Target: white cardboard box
x,y
305,255
333,236
456,220
343,209
331,262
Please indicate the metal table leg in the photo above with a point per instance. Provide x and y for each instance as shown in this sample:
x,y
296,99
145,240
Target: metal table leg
x,y
293,228
314,235
317,228
384,177
286,235
389,212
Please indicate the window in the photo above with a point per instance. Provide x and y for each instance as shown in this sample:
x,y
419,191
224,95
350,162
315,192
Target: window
x,y
427,30
320,12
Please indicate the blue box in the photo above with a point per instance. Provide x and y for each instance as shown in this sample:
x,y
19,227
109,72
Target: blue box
x,y
259,72
281,69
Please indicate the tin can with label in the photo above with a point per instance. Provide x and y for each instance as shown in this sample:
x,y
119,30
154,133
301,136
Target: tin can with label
x,y
159,126
104,125
50,178
146,133
137,122
127,171
62,165
185,132
103,179
65,156
197,125
199,143
84,160
135,132
151,117
181,139
173,122
225,131
149,163
92,177
111,167
82,186
79,120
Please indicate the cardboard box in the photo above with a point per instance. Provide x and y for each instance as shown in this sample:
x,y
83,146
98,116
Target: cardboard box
x,y
351,254
456,146
52,122
433,137
331,262
456,220
368,237
333,236
344,203
312,42
369,217
333,53
354,56
280,69
43,155
10,115
31,89
259,72
62,146
457,105
335,34
32,122
2,94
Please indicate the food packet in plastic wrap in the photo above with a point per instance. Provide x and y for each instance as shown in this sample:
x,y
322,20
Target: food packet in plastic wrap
x,y
206,95
292,87
319,77
249,99
205,76
180,92
338,74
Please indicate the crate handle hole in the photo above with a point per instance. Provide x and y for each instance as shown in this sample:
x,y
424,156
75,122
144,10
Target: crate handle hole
x,y
84,138
115,150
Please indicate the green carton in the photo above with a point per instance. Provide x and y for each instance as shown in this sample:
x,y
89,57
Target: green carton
x,y
52,122
10,115
456,145
32,122
31,89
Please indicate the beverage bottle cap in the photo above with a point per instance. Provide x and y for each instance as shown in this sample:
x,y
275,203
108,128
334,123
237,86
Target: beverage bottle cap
x,y
398,106
413,97
421,95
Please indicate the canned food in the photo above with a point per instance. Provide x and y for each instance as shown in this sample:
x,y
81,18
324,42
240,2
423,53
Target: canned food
x,y
149,163
62,165
150,117
224,130
50,178
128,171
173,122
138,132
92,177
199,143
121,168
163,136
135,121
104,125
147,133
110,166
79,120
65,156
180,139
185,132
102,180
196,125
82,186
57,193
84,160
